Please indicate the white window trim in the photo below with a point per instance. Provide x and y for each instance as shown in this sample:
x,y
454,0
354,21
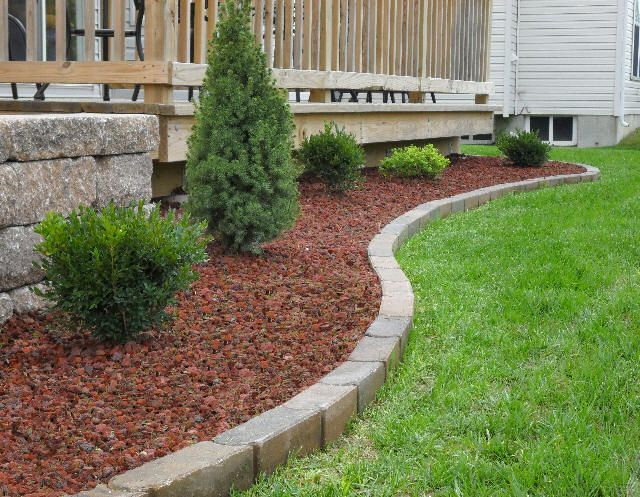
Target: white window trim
x,y
553,142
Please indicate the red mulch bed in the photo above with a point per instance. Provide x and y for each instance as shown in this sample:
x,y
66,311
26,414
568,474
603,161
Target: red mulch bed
x,y
253,332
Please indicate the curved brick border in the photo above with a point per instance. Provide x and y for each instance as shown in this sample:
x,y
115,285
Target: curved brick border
x,y
319,414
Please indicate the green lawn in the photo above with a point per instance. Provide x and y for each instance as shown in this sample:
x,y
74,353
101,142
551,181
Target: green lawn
x,y
522,376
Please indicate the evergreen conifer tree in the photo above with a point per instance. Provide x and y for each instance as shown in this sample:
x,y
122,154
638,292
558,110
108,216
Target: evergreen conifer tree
x,y
240,175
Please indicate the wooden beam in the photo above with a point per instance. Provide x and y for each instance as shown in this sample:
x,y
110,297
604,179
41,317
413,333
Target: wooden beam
x,y
192,74
126,72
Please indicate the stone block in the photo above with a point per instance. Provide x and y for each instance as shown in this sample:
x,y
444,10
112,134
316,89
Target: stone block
x,y
52,136
6,307
24,300
572,179
205,469
28,190
484,196
391,327
337,404
367,376
445,208
397,306
125,179
275,434
372,349
17,257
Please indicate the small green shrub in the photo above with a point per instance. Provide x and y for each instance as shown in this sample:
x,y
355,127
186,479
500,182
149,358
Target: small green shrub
x,y
115,270
413,161
334,157
524,148
240,175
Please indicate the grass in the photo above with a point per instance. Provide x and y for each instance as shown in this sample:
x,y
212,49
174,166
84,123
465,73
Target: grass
x,y
522,376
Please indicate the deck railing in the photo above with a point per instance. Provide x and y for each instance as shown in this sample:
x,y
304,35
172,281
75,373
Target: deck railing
x,y
397,45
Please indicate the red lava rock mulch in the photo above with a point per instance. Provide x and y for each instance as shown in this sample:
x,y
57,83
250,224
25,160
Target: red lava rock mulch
x,y
253,332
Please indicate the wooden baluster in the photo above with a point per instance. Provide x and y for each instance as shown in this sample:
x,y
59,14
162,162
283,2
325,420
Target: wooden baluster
x,y
161,18
399,36
391,52
344,13
359,48
379,38
287,52
32,29
364,41
277,59
488,28
118,30
268,32
354,35
326,35
372,32
199,32
315,41
258,20
411,37
89,18
335,34
307,35
184,32
297,35
61,30
4,30
212,20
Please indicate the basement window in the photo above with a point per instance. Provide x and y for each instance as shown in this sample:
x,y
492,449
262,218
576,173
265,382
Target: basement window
x,y
556,130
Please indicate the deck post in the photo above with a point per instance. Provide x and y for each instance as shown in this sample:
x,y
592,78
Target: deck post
x,y
482,99
160,44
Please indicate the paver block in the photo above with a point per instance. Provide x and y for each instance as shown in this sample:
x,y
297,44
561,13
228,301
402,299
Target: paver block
x,y
205,469
430,212
397,306
391,327
337,403
382,245
457,204
275,434
388,262
572,179
367,376
471,200
371,349
396,288
104,491
484,196
390,274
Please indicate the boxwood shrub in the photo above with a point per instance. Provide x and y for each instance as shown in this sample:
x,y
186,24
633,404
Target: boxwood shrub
x,y
414,161
334,157
524,148
115,270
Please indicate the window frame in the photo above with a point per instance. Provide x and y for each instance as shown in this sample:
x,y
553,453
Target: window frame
x,y
551,140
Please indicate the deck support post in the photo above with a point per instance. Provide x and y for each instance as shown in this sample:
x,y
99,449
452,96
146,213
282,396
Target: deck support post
x,y
482,99
161,18
417,97
320,96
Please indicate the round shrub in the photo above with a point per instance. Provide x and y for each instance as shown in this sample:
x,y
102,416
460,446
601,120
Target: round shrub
x,y
114,271
334,157
524,148
240,175
413,161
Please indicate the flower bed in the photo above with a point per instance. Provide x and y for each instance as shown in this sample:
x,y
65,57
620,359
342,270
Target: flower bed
x,y
251,334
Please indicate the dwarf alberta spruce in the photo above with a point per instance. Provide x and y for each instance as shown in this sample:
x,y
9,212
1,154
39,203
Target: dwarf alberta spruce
x,y
524,148
240,175
115,270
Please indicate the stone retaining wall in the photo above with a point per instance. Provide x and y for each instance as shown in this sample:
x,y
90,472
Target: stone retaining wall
x,y
56,162
318,415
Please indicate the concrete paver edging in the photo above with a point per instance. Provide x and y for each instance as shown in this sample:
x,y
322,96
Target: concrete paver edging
x,y
319,414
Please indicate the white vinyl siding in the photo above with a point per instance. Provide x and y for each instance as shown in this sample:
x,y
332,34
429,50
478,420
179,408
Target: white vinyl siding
x,y
567,52
631,85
